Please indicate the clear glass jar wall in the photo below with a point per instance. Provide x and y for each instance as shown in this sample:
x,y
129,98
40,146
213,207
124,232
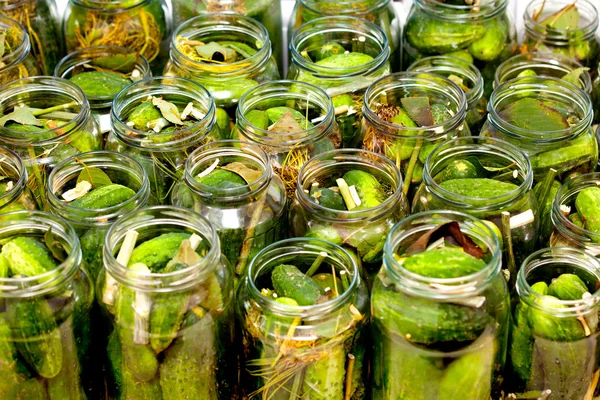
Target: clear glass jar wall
x,y
15,195
16,60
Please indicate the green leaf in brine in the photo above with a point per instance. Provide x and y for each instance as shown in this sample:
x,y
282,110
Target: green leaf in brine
x,y
418,109
21,115
286,124
566,18
117,62
241,48
248,174
214,52
532,114
95,176
100,83
169,111
55,246
574,77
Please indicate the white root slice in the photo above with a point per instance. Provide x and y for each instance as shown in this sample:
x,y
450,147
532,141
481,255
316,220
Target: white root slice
x,y
522,219
345,192
80,190
141,308
187,110
110,286
208,170
355,195
9,186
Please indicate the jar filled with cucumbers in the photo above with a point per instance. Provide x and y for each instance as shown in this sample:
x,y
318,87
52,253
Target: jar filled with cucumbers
x,y
102,72
167,294
544,64
481,32
46,120
440,311
40,18
489,179
15,195
351,198
406,114
159,122
554,335
466,76
292,121
550,120
138,25
575,214
226,53
91,191
566,27
302,310
232,184
45,298
380,12
343,56
16,60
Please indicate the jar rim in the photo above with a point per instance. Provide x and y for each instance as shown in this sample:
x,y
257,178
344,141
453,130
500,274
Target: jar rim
x,y
465,12
23,49
100,5
20,183
538,30
346,7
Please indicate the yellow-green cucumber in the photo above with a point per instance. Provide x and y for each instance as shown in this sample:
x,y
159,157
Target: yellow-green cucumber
x,y
158,251
324,378
104,197
66,385
28,257
588,207
289,281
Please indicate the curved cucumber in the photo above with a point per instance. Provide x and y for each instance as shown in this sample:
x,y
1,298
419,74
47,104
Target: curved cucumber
x,y
157,252
27,256
104,197
568,287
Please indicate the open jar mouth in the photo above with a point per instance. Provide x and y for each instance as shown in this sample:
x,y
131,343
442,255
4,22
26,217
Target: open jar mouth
x,y
37,223
109,6
18,54
544,88
340,29
352,7
172,89
558,259
208,27
161,219
11,166
566,195
68,170
336,161
402,84
290,251
544,64
471,146
443,65
204,157
408,230
280,93
485,9
587,25
38,90
67,65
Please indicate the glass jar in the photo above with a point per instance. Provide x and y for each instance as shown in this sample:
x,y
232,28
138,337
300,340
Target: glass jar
x,y
55,124
480,32
596,95
380,12
226,80
362,230
14,193
439,336
138,25
542,64
45,325
92,223
345,79
289,151
267,13
39,18
580,43
553,336
408,146
162,154
172,331
489,179
103,72
247,216
527,112
466,76
16,61
569,227
303,351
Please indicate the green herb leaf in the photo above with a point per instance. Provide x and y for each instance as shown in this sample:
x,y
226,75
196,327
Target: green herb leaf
x,y
95,176
566,18
241,48
168,110
418,109
574,77
55,246
287,124
532,114
213,51
21,115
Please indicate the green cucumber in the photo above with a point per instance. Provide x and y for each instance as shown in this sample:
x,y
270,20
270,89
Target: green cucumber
x,y
481,188
324,378
327,282
27,256
222,179
31,389
367,186
275,114
568,287
445,262
4,266
325,232
550,327
575,218
521,343
258,119
588,207
158,251
329,198
540,288
580,151
457,169
144,113
66,385
96,83
329,49
345,60
104,197
289,281
8,362
223,123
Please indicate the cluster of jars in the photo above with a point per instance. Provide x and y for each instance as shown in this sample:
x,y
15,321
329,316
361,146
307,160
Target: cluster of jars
x,y
169,285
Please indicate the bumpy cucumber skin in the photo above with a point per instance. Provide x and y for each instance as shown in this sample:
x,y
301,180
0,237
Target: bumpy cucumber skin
x,y
324,379
222,179
31,389
446,262
588,207
289,281
568,287
550,327
91,243
144,113
367,186
188,370
26,256
157,252
8,356
521,346
104,197
32,322
166,318
66,385
457,169
478,187
330,199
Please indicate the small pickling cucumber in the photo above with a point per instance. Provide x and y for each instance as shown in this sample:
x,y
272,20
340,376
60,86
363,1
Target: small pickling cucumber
x,y
551,327
324,378
27,256
575,218
222,179
329,198
258,119
144,113
325,232
96,83
223,123
345,60
66,385
329,49
588,207
481,188
568,287
4,266
367,186
157,252
540,288
457,169
521,344
104,197
446,262
289,281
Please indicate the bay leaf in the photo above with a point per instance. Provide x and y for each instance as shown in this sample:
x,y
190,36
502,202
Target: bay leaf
x,y
451,231
566,18
95,176
55,246
574,77
533,114
21,115
286,124
248,174
215,52
418,109
168,110
117,62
